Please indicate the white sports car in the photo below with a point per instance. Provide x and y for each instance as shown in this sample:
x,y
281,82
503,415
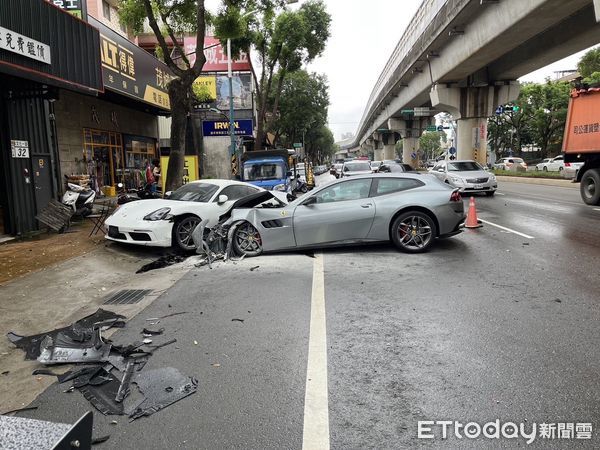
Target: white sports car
x,y
170,222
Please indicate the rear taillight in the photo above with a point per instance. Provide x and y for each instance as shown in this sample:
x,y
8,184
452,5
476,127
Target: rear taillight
x,y
567,164
455,197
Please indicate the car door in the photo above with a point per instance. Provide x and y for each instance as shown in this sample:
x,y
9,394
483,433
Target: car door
x,y
556,164
340,212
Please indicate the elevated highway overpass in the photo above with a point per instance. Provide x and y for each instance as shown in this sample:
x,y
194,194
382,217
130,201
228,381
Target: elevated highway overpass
x,y
464,57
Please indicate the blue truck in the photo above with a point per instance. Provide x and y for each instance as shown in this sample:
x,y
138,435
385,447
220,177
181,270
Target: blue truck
x,y
269,169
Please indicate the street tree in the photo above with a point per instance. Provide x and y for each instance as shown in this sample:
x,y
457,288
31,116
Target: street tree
x,y
430,143
319,144
282,40
589,64
303,105
169,19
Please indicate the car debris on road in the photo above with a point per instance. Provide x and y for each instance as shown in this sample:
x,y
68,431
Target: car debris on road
x,y
105,371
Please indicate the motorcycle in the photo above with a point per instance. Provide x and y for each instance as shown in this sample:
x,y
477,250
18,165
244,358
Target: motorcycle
x,y
80,199
132,195
301,185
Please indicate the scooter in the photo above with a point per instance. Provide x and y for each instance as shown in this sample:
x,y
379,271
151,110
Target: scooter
x,y
80,199
132,195
301,185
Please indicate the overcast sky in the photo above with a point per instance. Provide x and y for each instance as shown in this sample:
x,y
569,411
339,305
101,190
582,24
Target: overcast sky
x,y
363,36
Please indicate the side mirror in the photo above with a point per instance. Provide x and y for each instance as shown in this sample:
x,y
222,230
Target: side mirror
x,y
312,200
167,194
222,199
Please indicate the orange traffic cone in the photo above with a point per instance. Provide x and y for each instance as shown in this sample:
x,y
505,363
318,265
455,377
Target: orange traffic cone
x,y
472,221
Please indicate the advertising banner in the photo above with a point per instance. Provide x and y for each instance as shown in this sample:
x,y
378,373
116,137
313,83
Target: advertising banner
x,y
210,83
216,55
242,127
190,169
131,71
242,91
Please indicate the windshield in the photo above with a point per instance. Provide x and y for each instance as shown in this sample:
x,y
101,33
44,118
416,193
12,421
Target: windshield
x,y
464,166
375,164
263,171
194,192
353,167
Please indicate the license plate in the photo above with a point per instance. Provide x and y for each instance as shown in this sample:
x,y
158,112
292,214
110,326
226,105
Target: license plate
x,y
478,186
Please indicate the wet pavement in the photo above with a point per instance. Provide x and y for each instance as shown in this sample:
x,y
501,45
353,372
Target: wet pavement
x,y
496,323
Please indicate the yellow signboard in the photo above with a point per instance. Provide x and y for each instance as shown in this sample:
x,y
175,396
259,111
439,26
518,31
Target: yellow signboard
x,y
209,83
190,169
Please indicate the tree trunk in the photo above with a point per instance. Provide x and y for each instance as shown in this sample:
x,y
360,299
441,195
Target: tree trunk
x,y
179,110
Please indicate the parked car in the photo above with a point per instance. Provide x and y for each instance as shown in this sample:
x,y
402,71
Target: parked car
x,y
510,163
542,165
356,167
411,210
396,167
170,222
466,175
556,164
336,170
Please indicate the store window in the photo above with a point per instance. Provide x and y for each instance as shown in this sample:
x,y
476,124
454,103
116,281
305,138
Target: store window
x,y
139,152
103,153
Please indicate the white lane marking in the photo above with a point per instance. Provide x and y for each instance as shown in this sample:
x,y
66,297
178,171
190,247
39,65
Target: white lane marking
x,y
500,193
507,229
316,405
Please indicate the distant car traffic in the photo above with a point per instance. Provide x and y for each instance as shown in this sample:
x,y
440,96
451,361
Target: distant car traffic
x,y
336,170
510,163
556,164
571,169
375,165
542,165
466,175
411,210
356,167
396,167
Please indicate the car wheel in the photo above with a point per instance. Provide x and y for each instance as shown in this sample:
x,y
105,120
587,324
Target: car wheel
x,y
247,240
413,232
537,169
590,187
182,233
490,193
545,169
560,169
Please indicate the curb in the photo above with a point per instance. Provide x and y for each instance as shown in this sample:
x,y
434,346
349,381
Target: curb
x,y
541,181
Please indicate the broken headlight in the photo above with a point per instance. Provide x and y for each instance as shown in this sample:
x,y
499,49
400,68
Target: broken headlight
x,y
159,214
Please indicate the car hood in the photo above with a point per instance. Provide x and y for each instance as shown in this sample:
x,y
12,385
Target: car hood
x,y
468,174
140,209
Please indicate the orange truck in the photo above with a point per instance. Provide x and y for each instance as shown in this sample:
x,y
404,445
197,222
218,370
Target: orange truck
x,y
581,143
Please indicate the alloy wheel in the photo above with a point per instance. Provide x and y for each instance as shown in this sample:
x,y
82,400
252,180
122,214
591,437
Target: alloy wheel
x,y
247,240
184,230
414,233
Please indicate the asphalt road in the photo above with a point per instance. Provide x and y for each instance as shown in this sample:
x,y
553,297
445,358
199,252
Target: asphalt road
x,y
496,323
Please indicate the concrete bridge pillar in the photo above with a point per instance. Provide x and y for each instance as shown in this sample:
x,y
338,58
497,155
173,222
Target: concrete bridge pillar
x,y
389,151
378,154
410,151
470,107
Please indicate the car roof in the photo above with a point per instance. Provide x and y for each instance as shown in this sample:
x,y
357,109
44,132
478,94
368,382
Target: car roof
x,y
220,182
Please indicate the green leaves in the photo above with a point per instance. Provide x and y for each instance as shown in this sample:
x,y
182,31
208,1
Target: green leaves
x,y
589,63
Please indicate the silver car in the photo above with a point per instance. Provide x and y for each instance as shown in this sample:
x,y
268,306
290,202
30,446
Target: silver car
x,y
466,175
353,168
411,210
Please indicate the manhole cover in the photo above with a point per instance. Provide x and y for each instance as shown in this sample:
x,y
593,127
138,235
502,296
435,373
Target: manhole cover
x,y
127,296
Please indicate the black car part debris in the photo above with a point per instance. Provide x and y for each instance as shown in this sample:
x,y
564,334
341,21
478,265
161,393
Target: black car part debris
x,y
161,388
163,261
75,345
153,332
103,397
31,344
100,440
124,387
20,433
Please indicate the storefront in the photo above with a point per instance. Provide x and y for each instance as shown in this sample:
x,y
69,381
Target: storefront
x,y
112,138
43,51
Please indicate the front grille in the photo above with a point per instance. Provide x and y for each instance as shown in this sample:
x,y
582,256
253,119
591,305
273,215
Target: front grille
x,y
477,180
113,232
145,237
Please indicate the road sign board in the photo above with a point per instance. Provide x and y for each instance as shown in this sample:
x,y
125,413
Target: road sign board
x,y
297,145
421,111
452,150
406,111
431,128
413,155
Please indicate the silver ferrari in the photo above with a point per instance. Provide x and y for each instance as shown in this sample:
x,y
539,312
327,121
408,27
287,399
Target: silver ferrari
x,y
411,210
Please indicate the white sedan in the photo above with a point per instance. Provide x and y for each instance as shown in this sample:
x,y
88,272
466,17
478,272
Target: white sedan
x,y
170,222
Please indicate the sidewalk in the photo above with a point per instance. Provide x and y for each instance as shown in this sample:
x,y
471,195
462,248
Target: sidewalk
x,y
57,280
